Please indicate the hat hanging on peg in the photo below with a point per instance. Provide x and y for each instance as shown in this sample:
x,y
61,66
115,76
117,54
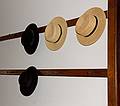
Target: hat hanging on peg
x,y
90,26
28,81
55,33
30,38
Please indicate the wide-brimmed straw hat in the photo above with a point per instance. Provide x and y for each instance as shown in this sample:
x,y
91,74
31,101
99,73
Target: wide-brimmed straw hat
x,y
55,33
90,26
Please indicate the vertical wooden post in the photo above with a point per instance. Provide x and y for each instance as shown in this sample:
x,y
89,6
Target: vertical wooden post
x,y
112,69
118,53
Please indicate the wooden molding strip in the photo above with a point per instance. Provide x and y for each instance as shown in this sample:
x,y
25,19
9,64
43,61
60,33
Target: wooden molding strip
x,y
112,69
70,23
61,72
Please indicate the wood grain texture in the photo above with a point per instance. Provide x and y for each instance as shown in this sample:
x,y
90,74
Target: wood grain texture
x,y
112,71
118,53
61,72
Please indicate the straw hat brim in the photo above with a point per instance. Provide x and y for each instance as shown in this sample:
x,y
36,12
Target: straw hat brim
x,y
95,35
63,25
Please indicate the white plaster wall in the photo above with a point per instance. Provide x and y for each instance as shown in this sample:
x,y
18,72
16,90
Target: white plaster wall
x,y
15,15
55,91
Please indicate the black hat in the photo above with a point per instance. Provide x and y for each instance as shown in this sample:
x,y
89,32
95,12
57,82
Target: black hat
x,y
28,81
30,38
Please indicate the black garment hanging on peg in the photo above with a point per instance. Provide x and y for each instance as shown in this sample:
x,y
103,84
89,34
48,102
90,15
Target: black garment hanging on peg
x,y
28,81
30,38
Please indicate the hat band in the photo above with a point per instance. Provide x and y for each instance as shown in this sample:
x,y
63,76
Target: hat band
x,y
59,35
93,29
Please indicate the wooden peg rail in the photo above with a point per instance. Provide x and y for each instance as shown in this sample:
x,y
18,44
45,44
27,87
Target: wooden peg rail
x,y
61,72
70,23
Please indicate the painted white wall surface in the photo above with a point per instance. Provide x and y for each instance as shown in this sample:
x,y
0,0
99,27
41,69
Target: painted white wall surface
x,y
55,91
15,15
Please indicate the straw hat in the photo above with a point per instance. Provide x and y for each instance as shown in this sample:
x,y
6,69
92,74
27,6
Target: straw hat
x,y
55,33
90,26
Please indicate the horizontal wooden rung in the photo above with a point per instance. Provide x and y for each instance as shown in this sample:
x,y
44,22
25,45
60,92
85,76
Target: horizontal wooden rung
x,y
61,72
